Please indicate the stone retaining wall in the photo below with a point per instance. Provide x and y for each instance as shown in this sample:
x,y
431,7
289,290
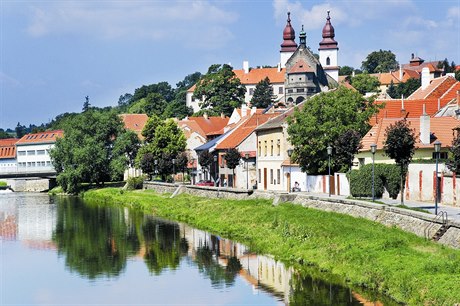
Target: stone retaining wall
x,y
421,224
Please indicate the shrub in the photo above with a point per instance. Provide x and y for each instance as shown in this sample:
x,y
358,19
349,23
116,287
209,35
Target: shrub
x,y
2,184
135,182
385,176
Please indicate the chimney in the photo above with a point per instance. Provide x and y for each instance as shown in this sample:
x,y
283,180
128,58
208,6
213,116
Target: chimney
x,y
425,77
246,66
403,110
400,73
244,110
254,110
412,57
205,116
279,67
222,115
424,127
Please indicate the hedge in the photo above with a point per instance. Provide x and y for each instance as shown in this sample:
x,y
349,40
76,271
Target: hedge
x,y
386,176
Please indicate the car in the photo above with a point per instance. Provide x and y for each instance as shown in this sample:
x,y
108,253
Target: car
x,y
205,183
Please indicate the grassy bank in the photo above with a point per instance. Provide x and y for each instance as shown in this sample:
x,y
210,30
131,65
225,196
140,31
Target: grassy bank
x,y
399,264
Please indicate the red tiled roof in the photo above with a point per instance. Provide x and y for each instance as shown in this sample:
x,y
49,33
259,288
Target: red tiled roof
x,y
210,125
135,122
432,66
42,137
435,89
413,108
190,126
440,127
451,93
8,148
244,130
301,67
255,75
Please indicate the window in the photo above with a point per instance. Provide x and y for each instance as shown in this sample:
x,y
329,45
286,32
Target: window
x,y
40,152
328,61
290,91
278,176
442,155
265,149
251,91
260,175
361,161
278,143
300,89
271,176
21,153
30,152
48,163
280,90
260,148
271,148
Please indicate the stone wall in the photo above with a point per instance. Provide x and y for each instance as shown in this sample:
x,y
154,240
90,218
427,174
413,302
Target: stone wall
x,y
418,223
31,185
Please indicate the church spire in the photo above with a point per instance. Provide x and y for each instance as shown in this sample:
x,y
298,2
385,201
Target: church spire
x,y
303,38
289,44
328,41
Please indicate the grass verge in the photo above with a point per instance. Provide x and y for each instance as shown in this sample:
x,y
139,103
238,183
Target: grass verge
x,y
401,265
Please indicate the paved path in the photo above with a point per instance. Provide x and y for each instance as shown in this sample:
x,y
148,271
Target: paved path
x,y
453,213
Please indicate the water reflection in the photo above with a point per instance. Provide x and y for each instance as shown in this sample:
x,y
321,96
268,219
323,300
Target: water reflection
x,y
98,242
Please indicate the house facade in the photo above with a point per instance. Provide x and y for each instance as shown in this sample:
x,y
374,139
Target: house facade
x,y
33,151
8,162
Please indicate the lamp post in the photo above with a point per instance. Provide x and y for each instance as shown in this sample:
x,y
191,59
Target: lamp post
x,y
215,170
289,152
329,153
437,149
247,170
155,171
373,149
174,169
192,181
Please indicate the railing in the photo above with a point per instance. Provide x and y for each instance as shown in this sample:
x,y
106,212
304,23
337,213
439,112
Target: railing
x,y
442,218
14,172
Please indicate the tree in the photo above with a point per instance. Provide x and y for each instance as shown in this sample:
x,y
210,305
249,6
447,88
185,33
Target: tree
x,y
205,159
220,89
365,83
346,147
20,131
454,161
232,158
321,121
125,100
400,145
403,89
4,135
153,104
125,151
86,152
150,127
380,61
86,104
162,88
263,94
346,70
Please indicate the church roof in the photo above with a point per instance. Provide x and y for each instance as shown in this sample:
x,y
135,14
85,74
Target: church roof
x,y
328,41
289,44
301,67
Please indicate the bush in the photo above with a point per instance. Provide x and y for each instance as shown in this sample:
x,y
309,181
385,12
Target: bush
x,y
385,176
2,184
135,182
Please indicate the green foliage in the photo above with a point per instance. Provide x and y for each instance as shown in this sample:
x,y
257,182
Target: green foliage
x,y
5,135
403,89
221,89
3,184
150,127
205,159
346,146
263,94
365,83
386,176
454,161
346,70
380,61
321,121
153,104
20,130
400,145
124,150
163,89
232,157
410,269
92,151
135,183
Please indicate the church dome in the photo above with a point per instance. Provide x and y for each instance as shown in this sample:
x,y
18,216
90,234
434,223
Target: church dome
x,y
289,44
328,41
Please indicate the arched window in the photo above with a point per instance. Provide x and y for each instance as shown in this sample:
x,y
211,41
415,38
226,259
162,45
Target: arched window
x,y
328,61
299,100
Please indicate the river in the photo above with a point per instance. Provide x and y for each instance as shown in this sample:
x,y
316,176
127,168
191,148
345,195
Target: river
x,y
63,251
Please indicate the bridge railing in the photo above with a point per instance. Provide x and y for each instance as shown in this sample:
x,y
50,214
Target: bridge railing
x,y
16,170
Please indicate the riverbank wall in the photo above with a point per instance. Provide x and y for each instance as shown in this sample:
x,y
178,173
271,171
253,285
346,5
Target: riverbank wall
x,y
418,223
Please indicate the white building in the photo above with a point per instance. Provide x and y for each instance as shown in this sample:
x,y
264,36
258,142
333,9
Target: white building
x,y
8,162
33,151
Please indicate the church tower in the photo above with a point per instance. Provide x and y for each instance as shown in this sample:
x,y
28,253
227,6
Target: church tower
x,y
328,50
289,45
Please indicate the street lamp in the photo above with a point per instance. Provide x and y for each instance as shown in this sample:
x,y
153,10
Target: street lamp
x,y
192,181
155,171
174,169
329,153
289,152
437,149
215,170
373,149
247,170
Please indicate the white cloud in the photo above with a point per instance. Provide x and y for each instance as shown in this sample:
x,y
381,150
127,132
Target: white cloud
x,y
453,12
190,21
6,80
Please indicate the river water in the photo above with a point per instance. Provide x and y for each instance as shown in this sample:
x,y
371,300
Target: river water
x,y
62,251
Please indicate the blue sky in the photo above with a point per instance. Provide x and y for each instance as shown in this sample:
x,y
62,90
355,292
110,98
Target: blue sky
x,y
54,53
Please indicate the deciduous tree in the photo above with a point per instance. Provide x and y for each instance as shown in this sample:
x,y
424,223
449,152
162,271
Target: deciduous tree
x,y
365,83
400,145
380,61
232,158
454,161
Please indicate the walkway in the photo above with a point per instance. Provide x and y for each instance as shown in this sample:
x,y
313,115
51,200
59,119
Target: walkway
x,y
453,213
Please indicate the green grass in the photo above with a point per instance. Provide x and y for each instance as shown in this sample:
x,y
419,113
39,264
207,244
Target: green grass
x,y
3,184
401,265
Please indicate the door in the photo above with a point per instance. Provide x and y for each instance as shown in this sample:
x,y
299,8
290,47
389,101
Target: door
x,y
265,178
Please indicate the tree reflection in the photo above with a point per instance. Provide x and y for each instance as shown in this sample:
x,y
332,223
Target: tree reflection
x,y
95,240
163,245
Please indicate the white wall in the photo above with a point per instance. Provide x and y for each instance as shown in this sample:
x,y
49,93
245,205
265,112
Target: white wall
x,y
29,159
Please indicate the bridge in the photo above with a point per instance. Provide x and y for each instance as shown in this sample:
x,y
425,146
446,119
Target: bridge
x,y
27,172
